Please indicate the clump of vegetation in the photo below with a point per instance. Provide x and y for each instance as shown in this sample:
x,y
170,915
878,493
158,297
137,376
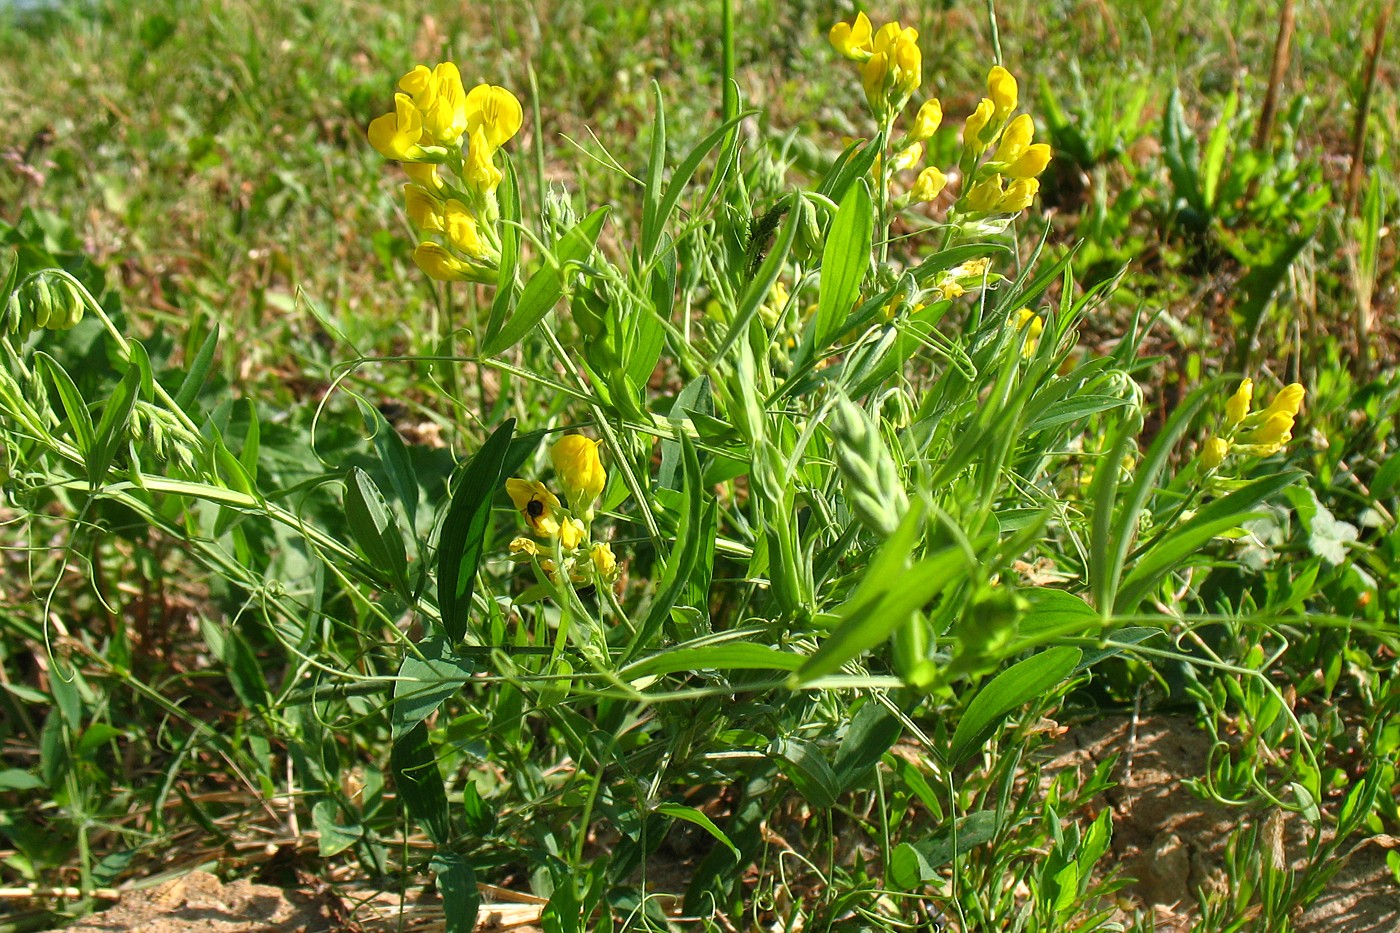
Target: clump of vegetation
x,y
722,541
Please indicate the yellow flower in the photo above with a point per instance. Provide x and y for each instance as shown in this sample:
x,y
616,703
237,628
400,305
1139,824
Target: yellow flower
x,y
976,123
927,120
1014,139
1238,406
985,195
441,265
852,39
604,561
875,78
579,470
928,185
419,84
907,158
1287,402
1030,322
538,505
423,174
423,209
1018,196
908,66
1030,163
461,229
496,112
480,173
571,534
1001,88
1273,432
396,135
1215,452
523,550
445,105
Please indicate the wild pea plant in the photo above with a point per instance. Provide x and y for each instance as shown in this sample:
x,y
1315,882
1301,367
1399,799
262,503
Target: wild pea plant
x,y
792,515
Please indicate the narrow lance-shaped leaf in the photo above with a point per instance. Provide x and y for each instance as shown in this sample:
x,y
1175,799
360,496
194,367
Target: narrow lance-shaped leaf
x,y
460,543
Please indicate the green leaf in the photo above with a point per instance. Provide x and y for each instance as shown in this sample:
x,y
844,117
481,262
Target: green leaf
x,y
334,838
1259,288
427,677
685,553
908,869
1213,161
1020,683
972,830
113,428
15,779
682,176
463,531
547,284
393,456
374,529
199,369
456,882
809,771
871,733
508,270
79,418
845,261
692,815
762,283
730,656
420,783
652,221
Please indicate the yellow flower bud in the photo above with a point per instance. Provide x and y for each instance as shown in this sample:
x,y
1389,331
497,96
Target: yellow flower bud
x,y
571,534
423,174
523,550
1214,453
1001,88
1018,196
927,120
1287,402
437,263
1015,138
853,39
928,185
496,112
907,158
604,561
396,135
1237,408
579,470
539,507
908,66
976,123
1031,162
984,195
462,232
1030,322
479,172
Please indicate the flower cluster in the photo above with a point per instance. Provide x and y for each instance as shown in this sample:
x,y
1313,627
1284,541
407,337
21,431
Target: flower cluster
x,y
565,532
1259,434
447,138
891,70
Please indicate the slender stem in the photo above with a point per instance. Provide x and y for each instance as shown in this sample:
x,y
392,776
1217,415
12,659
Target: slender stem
x,y
731,94
1363,110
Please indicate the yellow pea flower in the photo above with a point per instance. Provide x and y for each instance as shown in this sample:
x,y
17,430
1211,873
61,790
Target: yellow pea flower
x,y
579,470
523,550
423,209
907,158
908,66
928,185
496,112
1030,163
1014,139
604,561
1214,453
985,195
539,507
1019,195
1287,402
976,123
445,112
480,173
571,534
418,83
927,120
1275,431
424,174
1237,408
853,39
396,135
875,79
1001,88
462,231
439,264
1030,322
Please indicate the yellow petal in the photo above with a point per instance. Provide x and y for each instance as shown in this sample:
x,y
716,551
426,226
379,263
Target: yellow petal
x,y
1030,163
928,185
437,263
1001,88
984,195
462,231
1019,195
1215,452
1015,138
976,123
1238,406
852,39
495,111
907,158
423,209
926,122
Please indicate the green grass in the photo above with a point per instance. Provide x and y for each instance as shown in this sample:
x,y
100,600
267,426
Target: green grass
x,y
817,693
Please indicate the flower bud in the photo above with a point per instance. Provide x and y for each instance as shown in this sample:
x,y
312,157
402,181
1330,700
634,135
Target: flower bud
x,y
1237,408
580,471
1214,453
1001,88
927,120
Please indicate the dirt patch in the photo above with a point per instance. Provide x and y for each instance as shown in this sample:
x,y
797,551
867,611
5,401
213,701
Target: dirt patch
x,y
1172,843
